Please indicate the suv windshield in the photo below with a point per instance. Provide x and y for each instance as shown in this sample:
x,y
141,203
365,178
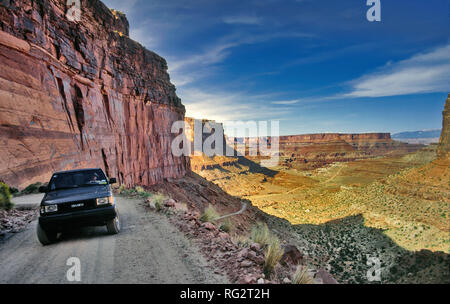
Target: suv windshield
x,y
77,179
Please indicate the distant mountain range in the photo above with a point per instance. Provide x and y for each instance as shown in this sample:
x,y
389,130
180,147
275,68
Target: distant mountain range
x,y
418,137
418,134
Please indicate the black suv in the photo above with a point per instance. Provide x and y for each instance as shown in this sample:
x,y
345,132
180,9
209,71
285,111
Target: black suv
x,y
77,198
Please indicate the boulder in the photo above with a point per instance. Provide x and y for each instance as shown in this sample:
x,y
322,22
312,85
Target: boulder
x,y
291,255
246,263
209,226
170,203
325,277
255,247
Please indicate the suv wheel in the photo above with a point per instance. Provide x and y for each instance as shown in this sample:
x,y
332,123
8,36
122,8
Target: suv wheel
x,y
46,237
113,225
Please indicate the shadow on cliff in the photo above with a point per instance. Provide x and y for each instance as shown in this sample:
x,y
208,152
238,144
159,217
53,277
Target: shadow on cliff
x,y
255,167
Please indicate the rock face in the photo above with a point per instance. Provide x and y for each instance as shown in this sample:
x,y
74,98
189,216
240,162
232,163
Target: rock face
x,y
444,142
82,94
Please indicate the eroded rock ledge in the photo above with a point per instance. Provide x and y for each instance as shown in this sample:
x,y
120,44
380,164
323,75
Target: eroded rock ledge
x,y
82,94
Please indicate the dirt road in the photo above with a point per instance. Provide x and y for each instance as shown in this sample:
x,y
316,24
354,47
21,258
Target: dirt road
x,y
148,250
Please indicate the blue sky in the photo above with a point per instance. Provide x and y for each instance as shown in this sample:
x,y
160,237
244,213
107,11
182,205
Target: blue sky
x,y
315,65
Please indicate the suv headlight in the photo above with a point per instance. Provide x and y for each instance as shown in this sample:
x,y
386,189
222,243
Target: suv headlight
x,y
105,200
49,209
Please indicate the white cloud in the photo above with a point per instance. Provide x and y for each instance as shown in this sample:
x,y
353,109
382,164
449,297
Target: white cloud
x,y
286,102
249,20
222,106
422,73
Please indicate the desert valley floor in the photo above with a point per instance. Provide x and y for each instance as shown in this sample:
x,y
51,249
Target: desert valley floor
x,y
394,207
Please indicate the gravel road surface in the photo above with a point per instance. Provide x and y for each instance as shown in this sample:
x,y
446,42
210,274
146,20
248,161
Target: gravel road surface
x,y
147,250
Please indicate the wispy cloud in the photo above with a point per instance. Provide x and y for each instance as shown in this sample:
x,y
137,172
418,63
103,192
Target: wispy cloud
x,y
218,52
249,20
422,73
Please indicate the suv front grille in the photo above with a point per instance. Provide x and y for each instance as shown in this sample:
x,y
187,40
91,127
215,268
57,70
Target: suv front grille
x,y
77,206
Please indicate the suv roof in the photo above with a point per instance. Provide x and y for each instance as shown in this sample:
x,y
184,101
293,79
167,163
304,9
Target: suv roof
x,y
77,170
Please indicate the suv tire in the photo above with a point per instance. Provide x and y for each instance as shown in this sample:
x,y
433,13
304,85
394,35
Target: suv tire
x,y
46,237
113,225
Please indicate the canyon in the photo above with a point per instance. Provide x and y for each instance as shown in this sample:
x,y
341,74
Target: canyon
x,y
340,198
82,94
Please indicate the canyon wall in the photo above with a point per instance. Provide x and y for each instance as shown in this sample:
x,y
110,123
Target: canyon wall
x,y
327,137
316,150
82,94
444,142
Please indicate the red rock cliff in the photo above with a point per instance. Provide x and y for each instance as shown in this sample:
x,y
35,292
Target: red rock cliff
x,y
82,94
327,137
444,142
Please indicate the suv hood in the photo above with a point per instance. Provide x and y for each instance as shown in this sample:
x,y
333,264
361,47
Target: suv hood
x,y
76,194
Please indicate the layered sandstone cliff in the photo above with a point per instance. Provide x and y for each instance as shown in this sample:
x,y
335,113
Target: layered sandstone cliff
x,y
444,142
82,94
315,150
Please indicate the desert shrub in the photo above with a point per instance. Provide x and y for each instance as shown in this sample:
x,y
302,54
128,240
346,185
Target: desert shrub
x,y
30,189
209,215
14,191
141,192
139,189
260,233
5,197
127,192
158,198
121,189
226,226
145,195
274,252
302,276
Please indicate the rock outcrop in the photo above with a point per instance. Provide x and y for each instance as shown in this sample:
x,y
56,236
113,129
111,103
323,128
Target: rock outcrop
x,y
444,142
82,94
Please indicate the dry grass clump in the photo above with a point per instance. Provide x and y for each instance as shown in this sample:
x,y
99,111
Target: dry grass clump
x,y
302,276
274,252
226,226
209,215
260,233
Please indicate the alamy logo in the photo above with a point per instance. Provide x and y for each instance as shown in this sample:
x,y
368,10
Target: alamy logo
x,y
374,13
232,138
74,272
374,273
73,10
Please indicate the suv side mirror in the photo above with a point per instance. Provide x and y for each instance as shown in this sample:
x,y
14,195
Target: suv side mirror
x,y
112,180
43,189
